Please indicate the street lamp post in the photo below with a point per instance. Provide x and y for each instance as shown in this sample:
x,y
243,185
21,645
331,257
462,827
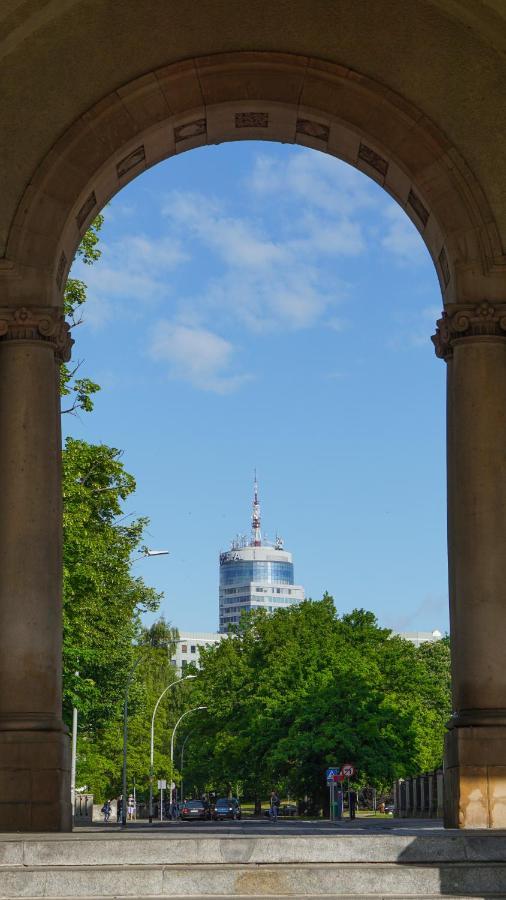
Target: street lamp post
x,y
182,758
152,748
144,552
73,761
187,713
125,741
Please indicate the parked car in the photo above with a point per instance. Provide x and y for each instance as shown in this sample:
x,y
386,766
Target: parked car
x,y
288,809
226,808
195,809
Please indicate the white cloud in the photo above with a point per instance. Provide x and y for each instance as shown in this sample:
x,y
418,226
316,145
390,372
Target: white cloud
x,y
196,355
264,283
237,241
134,269
401,237
327,237
320,180
291,298
267,271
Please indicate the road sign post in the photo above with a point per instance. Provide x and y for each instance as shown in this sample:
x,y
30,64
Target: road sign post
x,y
348,770
162,784
333,776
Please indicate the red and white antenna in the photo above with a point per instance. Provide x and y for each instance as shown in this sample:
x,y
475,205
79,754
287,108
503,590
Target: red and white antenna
x,y
256,535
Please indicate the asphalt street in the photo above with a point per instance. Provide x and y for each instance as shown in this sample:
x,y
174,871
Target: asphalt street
x,y
264,827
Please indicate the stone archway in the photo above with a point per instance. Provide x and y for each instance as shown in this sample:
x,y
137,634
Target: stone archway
x,y
236,96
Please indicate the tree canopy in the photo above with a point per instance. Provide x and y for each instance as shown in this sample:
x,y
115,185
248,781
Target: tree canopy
x,y
292,693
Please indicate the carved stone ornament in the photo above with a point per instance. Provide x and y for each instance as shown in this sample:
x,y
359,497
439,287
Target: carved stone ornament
x,y
37,323
466,321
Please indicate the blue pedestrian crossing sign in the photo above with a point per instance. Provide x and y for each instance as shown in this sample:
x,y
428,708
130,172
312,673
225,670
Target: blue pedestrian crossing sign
x,y
332,773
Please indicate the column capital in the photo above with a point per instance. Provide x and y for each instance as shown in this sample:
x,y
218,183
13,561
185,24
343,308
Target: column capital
x,y
37,323
465,320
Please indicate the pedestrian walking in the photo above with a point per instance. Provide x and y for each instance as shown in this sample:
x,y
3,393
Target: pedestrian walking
x,y
352,797
131,808
274,806
106,810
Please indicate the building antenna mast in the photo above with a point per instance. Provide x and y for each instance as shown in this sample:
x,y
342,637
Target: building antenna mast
x,y
256,534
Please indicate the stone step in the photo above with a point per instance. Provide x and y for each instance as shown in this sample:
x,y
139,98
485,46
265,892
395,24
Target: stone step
x,y
135,864
92,849
483,879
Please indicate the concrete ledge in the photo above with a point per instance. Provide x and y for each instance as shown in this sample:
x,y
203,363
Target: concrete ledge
x,y
134,849
488,879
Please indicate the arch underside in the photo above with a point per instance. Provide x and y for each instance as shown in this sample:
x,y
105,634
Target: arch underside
x,y
253,96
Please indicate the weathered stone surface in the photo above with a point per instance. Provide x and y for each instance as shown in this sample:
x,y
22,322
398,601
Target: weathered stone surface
x,y
293,880
89,850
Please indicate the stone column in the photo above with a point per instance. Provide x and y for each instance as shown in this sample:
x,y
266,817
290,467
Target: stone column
x,y
439,794
34,745
403,803
472,340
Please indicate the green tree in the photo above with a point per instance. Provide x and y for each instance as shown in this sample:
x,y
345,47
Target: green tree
x,y
292,693
100,754
103,601
79,391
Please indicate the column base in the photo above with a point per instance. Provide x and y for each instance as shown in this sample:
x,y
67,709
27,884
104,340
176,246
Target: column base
x,y
475,777
35,781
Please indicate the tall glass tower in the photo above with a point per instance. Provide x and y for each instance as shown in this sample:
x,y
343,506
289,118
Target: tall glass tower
x,y
255,574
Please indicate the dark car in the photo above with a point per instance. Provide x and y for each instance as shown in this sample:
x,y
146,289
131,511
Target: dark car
x,y
287,809
227,809
195,809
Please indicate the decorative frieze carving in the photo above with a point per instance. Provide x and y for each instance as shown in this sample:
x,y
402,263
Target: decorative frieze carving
x,y
190,130
128,162
468,321
252,120
62,266
373,159
37,323
86,208
416,204
313,129
445,268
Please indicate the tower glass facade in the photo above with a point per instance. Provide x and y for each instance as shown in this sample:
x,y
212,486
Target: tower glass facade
x,y
255,575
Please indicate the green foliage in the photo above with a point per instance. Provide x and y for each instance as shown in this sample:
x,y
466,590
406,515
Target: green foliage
x,y
100,751
102,599
292,693
79,390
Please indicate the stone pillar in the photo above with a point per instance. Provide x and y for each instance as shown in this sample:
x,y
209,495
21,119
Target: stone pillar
x,y
34,745
472,340
430,793
411,782
417,789
403,804
424,796
439,794
397,797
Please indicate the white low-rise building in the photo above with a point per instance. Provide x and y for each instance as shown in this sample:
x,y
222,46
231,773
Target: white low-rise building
x,y
189,645
419,637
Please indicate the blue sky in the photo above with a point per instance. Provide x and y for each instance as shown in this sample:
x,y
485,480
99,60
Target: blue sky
x,y
262,305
